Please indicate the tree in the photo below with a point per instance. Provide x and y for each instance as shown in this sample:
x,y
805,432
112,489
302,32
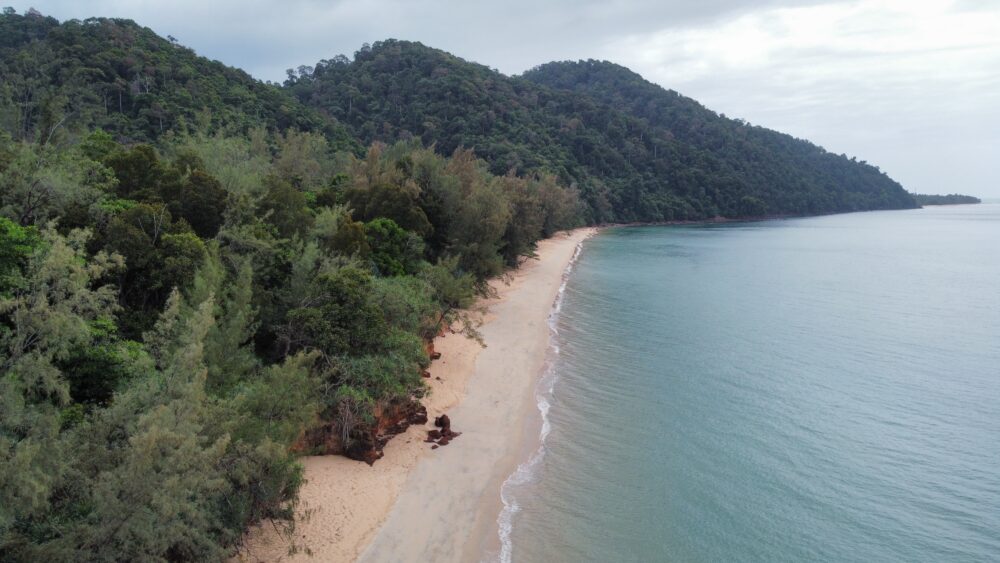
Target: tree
x,y
285,208
199,200
155,497
303,159
41,323
454,291
394,250
337,232
228,344
160,254
141,175
41,183
17,244
339,316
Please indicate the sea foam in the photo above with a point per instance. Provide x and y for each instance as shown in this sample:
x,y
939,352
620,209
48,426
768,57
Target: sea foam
x,y
528,470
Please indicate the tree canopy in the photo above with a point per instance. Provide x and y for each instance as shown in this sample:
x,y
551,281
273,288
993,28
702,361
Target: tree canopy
x,y
635,151
950,199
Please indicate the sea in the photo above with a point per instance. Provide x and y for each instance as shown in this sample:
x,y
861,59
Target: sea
x,y
814,389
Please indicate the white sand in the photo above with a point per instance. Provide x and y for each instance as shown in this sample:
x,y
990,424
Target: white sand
x,y
418,504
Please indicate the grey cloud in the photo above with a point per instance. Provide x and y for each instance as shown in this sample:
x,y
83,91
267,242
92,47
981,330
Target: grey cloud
x,y
261,37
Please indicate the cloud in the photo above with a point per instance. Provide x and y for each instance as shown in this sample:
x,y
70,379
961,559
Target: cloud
x,y
265,37
910,85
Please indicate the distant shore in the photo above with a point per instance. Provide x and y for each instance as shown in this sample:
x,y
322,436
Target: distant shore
x,y
722,220
416,504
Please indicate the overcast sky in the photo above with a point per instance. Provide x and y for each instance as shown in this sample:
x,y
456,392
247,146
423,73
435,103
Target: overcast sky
x,y
910,85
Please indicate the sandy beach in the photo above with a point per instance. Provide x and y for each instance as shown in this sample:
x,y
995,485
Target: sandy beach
x,y
418,504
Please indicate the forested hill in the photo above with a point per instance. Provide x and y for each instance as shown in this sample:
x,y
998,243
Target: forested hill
x,y
114,74
777,167
950,199
635,151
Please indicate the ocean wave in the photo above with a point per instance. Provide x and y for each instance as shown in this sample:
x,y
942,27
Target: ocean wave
x,y
526,472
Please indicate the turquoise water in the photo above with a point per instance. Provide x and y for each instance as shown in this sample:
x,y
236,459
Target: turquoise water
x,y
820,389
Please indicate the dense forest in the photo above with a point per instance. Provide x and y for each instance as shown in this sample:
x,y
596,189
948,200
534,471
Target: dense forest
x,y
635,151
184,310
124,79
950,199
203,276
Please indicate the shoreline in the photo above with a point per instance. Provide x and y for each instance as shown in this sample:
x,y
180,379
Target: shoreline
x,y
723,220
536,428
441,505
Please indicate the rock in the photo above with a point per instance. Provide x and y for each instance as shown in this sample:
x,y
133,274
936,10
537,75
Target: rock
x,y
435,355
369,456
419,416
434,447
443,422
425,374
445,435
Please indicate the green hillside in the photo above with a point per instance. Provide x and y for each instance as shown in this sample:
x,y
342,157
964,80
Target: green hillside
x,y
114,74
635,151
790,175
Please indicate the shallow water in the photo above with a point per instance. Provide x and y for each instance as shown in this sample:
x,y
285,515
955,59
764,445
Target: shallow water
x,y
821,389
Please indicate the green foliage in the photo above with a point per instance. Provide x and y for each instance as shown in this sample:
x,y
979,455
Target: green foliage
x,y
42,323
303,159
340,316
112,74
408,303
41,183
103,366
228,350
715,162
386,376
174,467
279,403
635,151
201,201
457,206
160,254
238,163
285,208
140,174
394,251
189,192
454,291
17,243
337,232
381,187
98,146
950,199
